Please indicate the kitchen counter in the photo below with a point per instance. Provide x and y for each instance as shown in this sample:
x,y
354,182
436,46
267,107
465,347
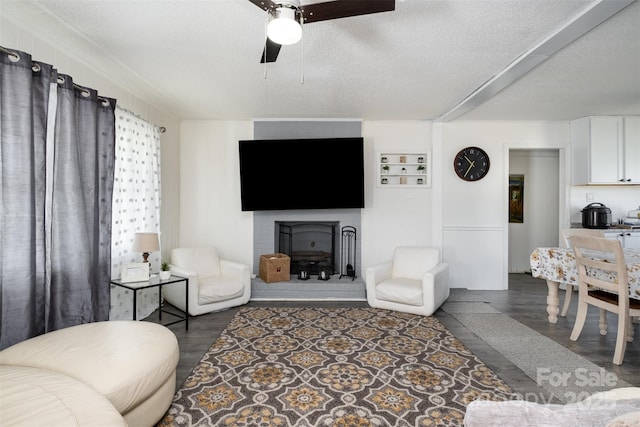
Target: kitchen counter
x,y
624,227
613,227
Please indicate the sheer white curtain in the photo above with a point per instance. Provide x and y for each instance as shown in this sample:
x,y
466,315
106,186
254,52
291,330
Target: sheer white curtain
x,y
136,206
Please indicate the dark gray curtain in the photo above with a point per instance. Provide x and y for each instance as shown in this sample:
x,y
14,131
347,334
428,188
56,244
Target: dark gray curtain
x,y
24,97
56,183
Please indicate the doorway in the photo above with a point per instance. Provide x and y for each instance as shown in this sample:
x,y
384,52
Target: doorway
x,y
535,203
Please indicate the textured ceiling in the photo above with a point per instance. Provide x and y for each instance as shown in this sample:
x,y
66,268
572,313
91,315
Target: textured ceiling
x,y
200,59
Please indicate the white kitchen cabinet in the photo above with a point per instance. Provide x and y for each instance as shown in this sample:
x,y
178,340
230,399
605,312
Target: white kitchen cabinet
x,y
605,150
404,169
631,156
629,239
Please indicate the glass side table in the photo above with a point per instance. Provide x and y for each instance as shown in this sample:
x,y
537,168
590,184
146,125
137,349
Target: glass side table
x,y
156,282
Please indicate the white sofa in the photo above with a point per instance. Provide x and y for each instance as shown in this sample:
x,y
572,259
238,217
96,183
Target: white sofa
x,y
214,283
415,281
104,373
33,396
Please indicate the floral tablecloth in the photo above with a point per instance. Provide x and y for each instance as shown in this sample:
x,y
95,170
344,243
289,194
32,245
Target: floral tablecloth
x,y
559,265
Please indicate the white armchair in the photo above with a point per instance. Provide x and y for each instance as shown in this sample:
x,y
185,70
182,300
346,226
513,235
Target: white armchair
x,y
214,283
415,281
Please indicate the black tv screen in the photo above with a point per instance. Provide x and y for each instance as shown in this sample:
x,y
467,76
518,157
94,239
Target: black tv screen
x,y
285,174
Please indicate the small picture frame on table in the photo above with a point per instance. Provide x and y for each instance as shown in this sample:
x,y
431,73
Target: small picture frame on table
x,y
135,272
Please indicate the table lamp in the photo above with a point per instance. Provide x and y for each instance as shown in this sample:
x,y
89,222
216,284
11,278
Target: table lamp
x,y
145,243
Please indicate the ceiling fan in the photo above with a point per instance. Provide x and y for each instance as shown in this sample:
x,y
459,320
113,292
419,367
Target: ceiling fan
x,y
290,14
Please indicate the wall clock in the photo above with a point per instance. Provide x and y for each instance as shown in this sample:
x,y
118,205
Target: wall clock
x,y
471,163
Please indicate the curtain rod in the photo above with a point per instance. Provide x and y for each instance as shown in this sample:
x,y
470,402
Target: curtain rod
x,y
162,129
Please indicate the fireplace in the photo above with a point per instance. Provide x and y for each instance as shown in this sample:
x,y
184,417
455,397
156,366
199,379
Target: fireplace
x,y
311,245
345,251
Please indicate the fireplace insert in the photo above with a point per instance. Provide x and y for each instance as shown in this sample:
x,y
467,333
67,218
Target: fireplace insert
x,y
312,245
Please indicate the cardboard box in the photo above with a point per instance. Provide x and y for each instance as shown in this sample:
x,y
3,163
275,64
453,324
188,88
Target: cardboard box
x,y
275,268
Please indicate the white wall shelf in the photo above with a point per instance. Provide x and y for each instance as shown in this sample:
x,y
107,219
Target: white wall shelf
x,y
404,169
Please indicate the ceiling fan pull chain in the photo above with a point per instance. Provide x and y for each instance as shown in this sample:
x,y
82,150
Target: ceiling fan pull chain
x,y
264,51
301,50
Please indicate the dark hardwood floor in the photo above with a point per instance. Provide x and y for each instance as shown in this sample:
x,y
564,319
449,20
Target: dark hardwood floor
x,y
525,301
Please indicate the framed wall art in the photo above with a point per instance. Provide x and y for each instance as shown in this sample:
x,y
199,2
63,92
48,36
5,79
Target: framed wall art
x,y
516,198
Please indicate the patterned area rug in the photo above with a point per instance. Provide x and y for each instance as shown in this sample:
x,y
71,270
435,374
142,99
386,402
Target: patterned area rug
x,y
333,367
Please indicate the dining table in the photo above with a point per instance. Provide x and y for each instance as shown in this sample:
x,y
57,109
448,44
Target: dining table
x,y
558,265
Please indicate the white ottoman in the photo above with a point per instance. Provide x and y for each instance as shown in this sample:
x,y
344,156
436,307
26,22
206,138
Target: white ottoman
x,y
131,363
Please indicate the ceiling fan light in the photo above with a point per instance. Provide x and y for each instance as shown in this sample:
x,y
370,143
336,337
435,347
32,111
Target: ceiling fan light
x,y
284,29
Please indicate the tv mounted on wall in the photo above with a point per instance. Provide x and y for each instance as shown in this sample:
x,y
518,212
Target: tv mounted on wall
x,y
285,174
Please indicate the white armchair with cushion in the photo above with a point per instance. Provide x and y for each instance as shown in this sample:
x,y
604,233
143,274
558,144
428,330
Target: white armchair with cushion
x,y
214,283
415,281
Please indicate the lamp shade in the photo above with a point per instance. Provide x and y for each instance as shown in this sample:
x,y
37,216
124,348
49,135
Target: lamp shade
x,y
146,242
284,29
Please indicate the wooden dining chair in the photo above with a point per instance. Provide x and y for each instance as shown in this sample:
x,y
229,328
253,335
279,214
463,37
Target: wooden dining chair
x,y
565,242
604,283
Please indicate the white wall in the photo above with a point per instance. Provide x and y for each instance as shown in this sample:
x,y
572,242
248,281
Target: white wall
x,y
20,37
475,216
210,209
394,216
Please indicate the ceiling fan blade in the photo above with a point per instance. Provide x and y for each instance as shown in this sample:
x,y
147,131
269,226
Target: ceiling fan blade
x,y
344,8
264,4
270,52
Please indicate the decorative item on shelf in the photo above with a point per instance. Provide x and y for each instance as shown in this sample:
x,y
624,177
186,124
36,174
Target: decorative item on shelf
x,y
146,243
165,271
413,165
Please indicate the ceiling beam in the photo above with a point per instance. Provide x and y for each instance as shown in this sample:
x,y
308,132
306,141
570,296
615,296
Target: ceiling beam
x,y
592,16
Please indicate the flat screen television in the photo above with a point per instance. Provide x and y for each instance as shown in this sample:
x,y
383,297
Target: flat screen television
x,y
286,174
